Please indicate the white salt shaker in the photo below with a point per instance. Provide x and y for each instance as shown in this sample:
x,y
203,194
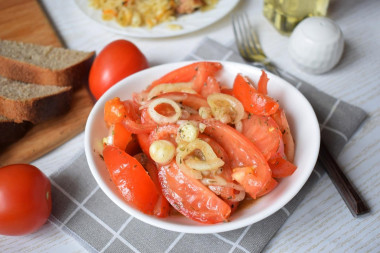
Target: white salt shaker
x,y
316,45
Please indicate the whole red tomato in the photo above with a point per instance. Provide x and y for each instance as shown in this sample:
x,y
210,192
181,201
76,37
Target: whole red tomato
x,y
25,199
116,61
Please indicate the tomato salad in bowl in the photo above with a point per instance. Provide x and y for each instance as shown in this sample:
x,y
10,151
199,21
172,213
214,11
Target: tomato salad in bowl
x,y
188,145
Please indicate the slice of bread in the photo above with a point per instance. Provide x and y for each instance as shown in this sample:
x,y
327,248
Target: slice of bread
x,y
44,65
21,101
11,131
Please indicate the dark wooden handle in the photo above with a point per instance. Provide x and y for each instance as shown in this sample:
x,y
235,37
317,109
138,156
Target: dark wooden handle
x,y
350,196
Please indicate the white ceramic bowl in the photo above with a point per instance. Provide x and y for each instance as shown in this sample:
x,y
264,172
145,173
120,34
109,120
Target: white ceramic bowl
x,y
301,117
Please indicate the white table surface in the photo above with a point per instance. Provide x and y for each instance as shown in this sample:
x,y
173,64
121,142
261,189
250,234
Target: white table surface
x,y
322,223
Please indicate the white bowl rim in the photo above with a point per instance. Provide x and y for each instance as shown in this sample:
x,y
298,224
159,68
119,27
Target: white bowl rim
x,y
199,228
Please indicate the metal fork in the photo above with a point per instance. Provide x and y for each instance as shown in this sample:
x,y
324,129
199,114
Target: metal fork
x,y
249,45
250,49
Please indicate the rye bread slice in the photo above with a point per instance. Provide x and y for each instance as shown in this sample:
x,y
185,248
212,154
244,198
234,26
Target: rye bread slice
x,y
44,65
11,131
21,101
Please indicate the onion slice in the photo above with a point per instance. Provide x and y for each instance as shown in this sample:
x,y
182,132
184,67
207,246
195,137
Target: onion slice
x,y
170,87
185,160
159,118
218,188
225,108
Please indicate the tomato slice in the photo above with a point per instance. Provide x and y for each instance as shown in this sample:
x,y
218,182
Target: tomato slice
x,y
132,109
281,167
268,187
165,132
119,137
114,111
138,128
245,176
194,101
133,146
211,86
162,206
227,91
262,85
129,176
283,124
183,74
205,70
264,133
132,121
197,71
125,112
190,197
225,192
241,152
253,101
144,143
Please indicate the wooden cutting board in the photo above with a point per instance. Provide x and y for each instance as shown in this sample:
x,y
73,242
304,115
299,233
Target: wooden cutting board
x,y
25,20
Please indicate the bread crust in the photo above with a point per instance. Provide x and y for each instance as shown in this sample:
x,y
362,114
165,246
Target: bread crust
x,y
21,114
38,109
11,131
74,76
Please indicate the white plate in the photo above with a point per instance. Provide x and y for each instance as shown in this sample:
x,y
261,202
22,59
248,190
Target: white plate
x,y
189,22
302,120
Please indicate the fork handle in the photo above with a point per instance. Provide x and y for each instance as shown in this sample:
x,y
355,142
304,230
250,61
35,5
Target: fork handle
x,y
343,185
350,196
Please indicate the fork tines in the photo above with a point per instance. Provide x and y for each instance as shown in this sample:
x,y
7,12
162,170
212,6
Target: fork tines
x,y
246,38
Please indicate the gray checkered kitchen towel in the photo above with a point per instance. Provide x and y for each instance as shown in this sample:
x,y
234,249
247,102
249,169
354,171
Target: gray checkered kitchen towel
x,y
81,209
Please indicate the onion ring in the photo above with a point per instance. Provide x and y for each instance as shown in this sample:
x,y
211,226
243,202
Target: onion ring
x,y
159,118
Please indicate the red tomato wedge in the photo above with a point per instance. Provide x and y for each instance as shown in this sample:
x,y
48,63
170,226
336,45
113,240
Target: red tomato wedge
x,y
134,184
125,112
246,177
227,91
194,101
114,111
264,133
197,72
262,85
132,109
132,121
211,86
165,132
133,146
281,163
138,128
225,192
281,167
190,197
119,136
144,143
253,101
204,71
162,206
184,74
241,152
283,124
268,187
